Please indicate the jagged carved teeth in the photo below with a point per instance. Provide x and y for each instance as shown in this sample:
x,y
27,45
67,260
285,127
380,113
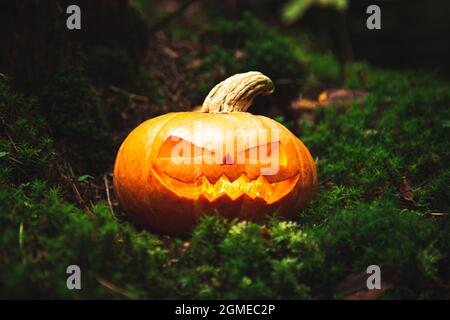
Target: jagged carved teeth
x,y
243,185
258,188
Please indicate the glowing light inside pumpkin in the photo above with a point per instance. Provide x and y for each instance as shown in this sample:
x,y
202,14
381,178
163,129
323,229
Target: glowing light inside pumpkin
x,y
259,188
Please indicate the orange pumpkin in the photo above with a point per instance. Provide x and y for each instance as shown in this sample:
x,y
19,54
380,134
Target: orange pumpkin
x,y
175,168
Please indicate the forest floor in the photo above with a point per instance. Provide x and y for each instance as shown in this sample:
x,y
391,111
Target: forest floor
x,y
380,144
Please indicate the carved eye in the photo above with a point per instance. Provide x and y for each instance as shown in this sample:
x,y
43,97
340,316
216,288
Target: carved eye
x,y
264,154
175,147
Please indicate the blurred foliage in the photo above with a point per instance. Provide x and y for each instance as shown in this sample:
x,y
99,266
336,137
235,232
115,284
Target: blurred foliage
x,y
112,65
76,113
77,118
294,9
248,44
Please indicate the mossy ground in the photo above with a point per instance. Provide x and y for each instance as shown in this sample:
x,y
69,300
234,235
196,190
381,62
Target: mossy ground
x,y
383,196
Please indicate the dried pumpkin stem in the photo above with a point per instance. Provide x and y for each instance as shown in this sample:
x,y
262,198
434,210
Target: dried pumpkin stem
x,y
237,92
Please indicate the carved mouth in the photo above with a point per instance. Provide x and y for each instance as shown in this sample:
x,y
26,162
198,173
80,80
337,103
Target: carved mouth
x,y
258,188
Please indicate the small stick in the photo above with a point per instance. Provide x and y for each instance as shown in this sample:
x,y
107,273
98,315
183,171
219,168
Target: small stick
x,y
130,95
108,196
114,288
7,134
74,186
326,180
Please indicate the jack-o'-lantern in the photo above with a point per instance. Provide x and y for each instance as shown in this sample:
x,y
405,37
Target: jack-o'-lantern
x,y
175,168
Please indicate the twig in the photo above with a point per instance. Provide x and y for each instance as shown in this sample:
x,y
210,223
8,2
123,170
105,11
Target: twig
x,y
130,95
71,179
12,142
108,196
7,134
326,180
115,288
74,186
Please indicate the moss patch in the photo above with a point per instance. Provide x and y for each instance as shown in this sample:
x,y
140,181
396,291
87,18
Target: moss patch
x,y
365,153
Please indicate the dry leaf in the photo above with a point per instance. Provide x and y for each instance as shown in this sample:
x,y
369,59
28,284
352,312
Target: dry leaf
x,y
169,53
326,98
340,96
435,158
406,191
354,286
367,294
304,104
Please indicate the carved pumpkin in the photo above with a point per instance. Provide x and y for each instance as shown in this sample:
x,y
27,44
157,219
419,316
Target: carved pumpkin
x,y
174,168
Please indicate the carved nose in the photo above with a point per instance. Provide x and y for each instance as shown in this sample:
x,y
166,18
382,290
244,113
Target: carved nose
x,y
228,159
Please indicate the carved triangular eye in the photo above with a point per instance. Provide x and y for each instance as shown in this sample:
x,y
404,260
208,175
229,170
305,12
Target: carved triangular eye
x,y
263,154
175,147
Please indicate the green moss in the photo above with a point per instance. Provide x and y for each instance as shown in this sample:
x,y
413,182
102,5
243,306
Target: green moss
x,y
365,153
26,148
275,55
323,70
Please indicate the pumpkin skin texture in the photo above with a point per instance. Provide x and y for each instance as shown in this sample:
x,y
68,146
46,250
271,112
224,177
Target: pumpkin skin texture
x,y
170,196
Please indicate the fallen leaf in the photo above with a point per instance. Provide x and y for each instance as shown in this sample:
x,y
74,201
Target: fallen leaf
x,y
435,158
354,286
367,294
304,104
340,96
327,98
169,53
406,191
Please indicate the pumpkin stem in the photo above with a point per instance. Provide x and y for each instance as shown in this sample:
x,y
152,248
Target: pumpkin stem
x,y
237,92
